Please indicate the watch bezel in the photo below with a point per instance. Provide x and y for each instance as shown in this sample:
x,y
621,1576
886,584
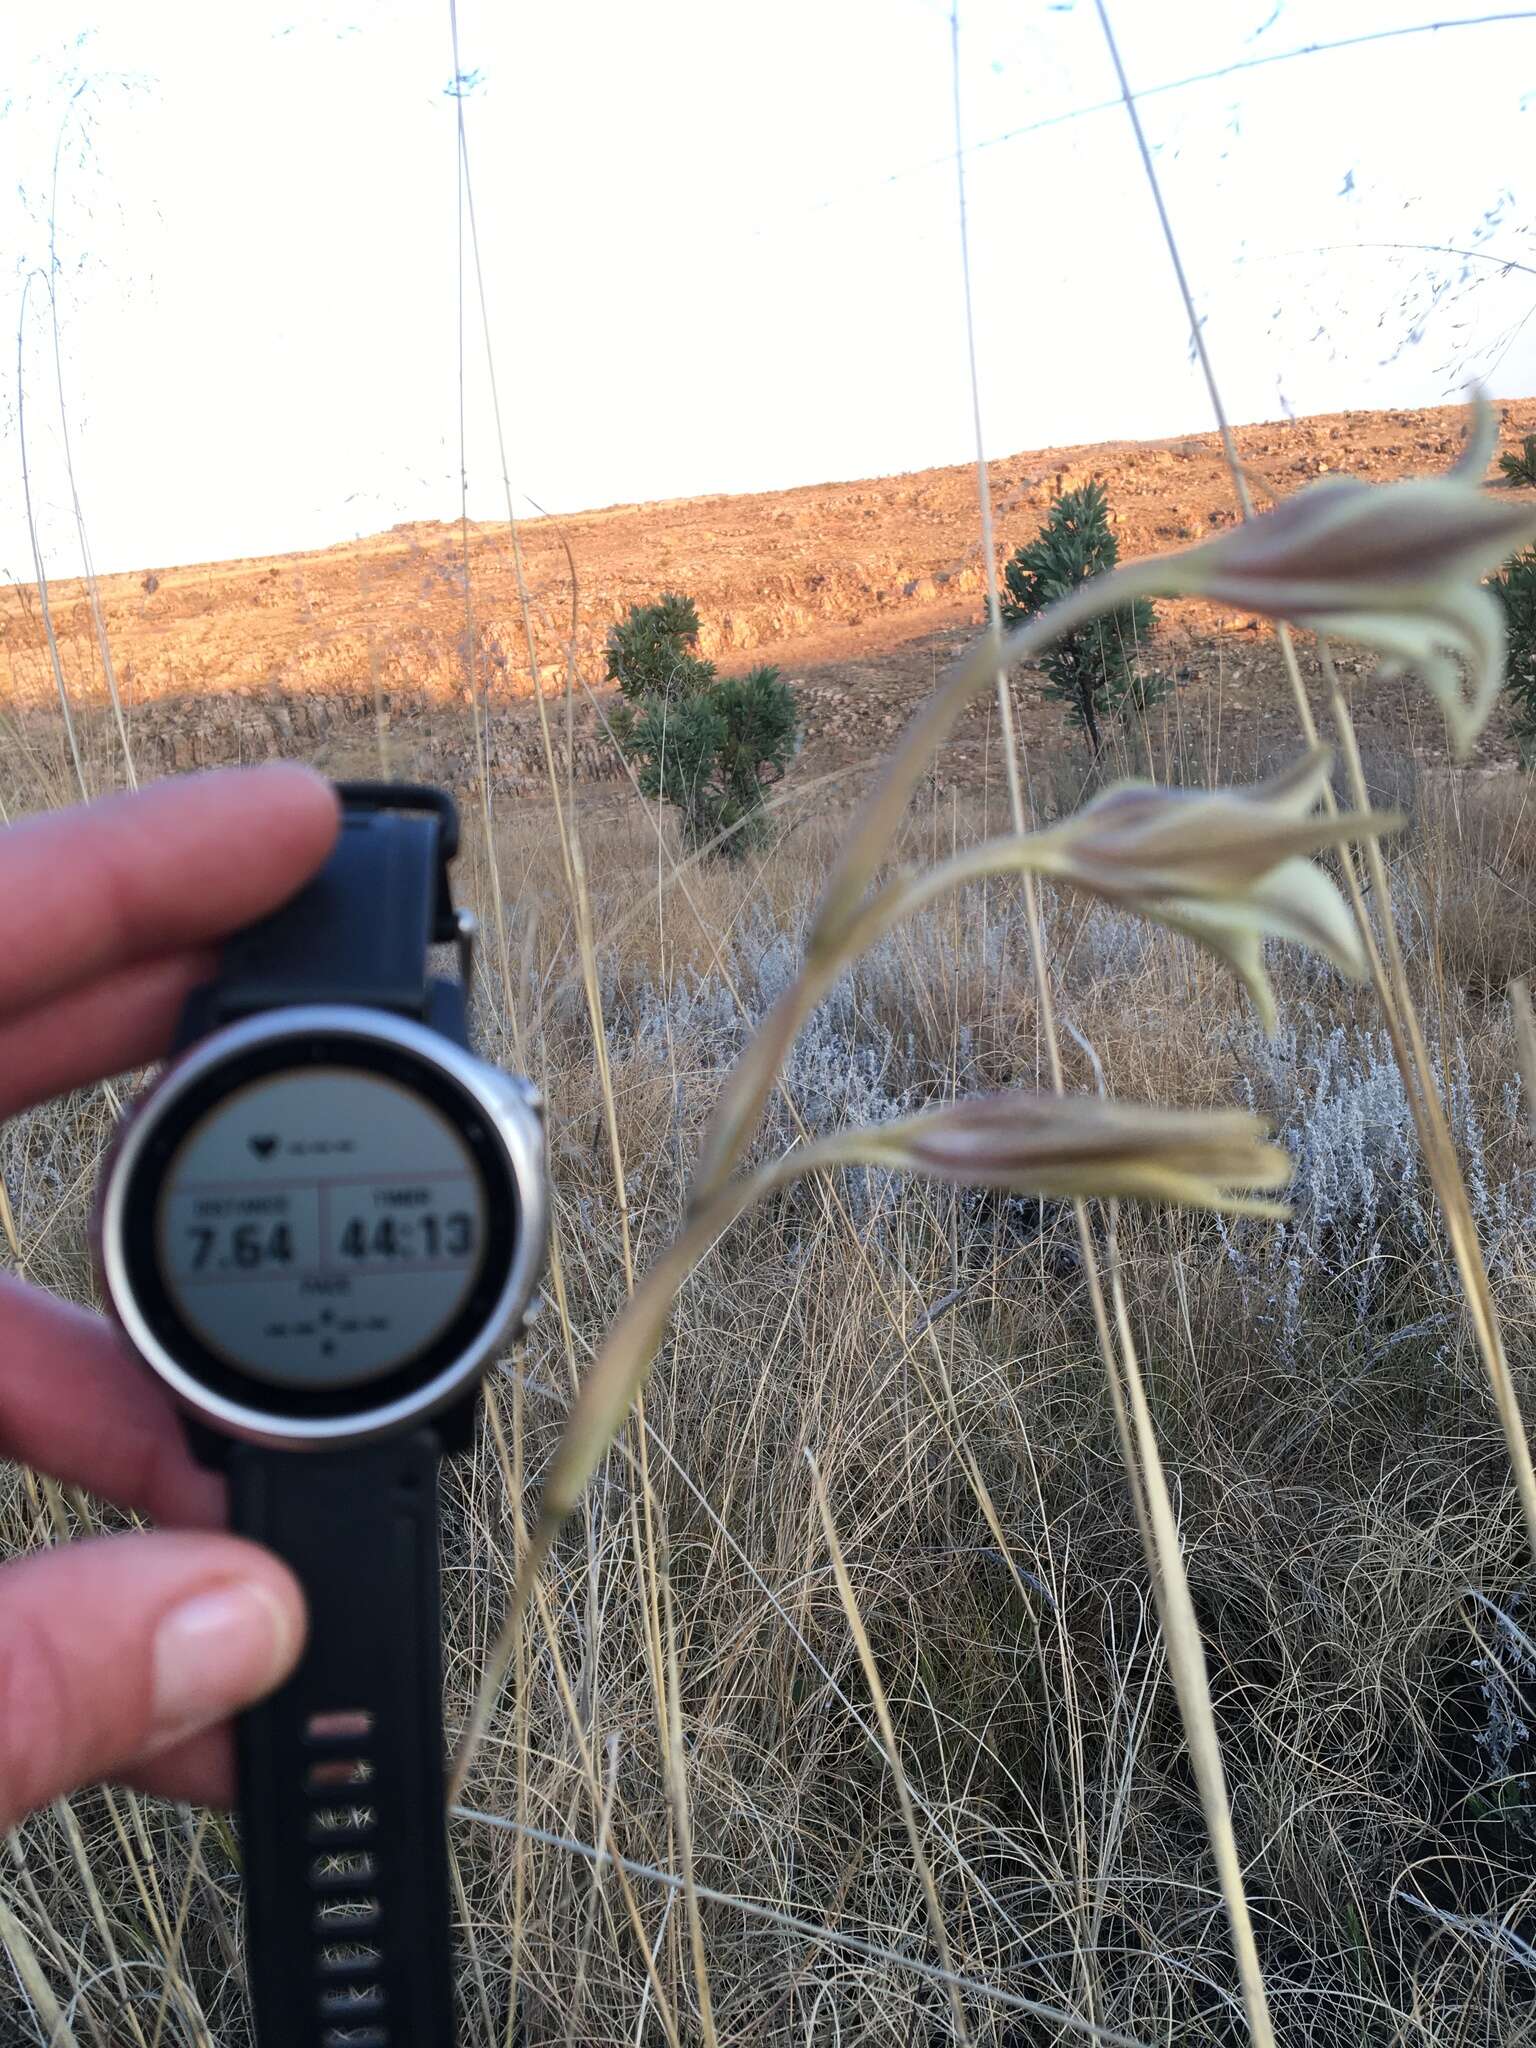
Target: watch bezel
x,y
503,1132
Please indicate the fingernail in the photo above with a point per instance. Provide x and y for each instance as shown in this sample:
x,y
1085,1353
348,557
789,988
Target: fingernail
x,y
218,1651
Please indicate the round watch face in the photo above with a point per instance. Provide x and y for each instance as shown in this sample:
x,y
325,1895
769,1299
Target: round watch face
x,y
309,1228
318,1229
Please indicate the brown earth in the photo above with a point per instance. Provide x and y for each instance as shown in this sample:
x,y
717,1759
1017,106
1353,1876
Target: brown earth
x,y
860,593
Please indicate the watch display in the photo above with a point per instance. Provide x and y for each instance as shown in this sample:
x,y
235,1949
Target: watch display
x,y
322,1221
322,1228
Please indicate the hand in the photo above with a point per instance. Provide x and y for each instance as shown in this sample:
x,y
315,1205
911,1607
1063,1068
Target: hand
x,y
124,1656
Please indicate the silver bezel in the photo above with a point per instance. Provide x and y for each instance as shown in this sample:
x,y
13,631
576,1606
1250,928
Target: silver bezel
x,y
510,1112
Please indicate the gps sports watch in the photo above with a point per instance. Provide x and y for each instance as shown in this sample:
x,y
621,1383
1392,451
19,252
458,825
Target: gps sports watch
x,y
317,1228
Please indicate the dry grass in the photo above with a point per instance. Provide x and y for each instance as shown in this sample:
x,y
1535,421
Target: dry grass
x,y
1352,1537
879,1687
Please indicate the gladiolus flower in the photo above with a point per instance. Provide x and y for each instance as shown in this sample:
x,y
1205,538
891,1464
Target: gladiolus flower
x,y
1394,568
1225,866
1079,1145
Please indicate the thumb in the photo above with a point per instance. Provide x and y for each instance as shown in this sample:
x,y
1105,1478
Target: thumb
x,y
113,1650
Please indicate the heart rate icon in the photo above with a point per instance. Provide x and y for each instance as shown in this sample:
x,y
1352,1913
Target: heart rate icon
x,y
263,1146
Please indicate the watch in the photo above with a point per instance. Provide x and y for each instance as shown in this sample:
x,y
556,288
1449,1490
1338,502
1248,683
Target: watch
x,y
317,1228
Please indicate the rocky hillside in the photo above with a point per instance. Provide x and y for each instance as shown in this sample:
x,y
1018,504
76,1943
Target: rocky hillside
x,y
856,590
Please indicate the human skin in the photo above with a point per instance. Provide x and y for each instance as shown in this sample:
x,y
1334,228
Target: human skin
x,y
123,1657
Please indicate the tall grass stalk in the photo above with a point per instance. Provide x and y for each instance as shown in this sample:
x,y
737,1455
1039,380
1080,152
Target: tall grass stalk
x,y
570,843
92,586
1393,992
677,1771
1140,1454
1439,1146
39,572
871,1670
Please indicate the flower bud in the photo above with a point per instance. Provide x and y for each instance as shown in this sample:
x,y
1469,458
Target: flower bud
x,y
1395,568
1080,1145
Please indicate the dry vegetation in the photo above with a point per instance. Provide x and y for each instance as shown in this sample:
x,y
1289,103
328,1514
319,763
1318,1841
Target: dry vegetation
x,y
1354,1547
860,1699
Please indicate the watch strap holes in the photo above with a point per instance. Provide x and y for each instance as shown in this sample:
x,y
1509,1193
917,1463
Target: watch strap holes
x,y
339,1774
349,1928
345,1724
341,1827
349,1959
354,2002
339,1916
341,1873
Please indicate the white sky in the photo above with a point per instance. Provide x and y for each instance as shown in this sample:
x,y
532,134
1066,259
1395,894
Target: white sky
x,y
720,245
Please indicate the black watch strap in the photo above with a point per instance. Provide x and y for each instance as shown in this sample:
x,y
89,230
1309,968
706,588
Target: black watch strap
x,y
342,1783
341,1772
360,931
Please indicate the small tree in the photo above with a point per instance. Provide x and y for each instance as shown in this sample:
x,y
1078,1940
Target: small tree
x,y
1515,588
1094,670
708,745
1521,468
651,653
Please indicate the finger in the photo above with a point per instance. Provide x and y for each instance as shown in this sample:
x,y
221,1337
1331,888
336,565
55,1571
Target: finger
x,y
119,1650
201,1769
88,890
125,1019
75,1402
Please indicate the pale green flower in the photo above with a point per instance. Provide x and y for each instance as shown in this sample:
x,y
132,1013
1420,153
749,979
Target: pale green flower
x,y
1395,568
1079,1145
1225,866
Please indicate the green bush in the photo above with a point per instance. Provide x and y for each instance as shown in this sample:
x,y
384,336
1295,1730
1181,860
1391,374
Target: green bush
x,y
1521,468
706,744
1095,672
1515,588
650,654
